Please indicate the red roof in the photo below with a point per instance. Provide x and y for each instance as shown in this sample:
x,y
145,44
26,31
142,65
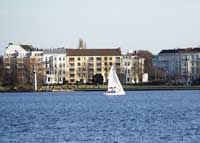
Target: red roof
x,y
94,52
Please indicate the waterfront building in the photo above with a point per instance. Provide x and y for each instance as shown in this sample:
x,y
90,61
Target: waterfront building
x,y
133,68
54,62
179,64
16,60
84,63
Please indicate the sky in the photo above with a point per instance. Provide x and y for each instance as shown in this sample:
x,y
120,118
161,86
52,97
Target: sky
x,y
129,24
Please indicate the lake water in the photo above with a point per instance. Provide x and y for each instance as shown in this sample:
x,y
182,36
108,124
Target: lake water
x,y
138,117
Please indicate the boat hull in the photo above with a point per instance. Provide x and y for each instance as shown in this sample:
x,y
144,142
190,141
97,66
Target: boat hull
x,y
114,94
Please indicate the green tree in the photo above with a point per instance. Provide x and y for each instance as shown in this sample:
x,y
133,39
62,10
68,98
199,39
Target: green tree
x,y
98,79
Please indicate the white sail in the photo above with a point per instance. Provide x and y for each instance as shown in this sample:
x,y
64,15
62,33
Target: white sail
x,y
114,85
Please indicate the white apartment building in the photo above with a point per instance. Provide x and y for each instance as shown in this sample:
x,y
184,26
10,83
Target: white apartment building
x,y
133,68
54,61
16,54
183,64
17,62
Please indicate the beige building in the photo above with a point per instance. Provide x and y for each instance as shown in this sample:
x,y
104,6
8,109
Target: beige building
x,y
83,64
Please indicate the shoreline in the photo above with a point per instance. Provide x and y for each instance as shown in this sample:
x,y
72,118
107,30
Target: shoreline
x,y
103,88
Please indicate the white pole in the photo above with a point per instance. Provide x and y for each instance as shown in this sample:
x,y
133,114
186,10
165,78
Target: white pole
x,y
35,79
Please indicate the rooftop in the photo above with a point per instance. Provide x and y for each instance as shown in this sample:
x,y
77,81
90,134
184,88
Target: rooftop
x,y
186,50
94,52
26,47
55,51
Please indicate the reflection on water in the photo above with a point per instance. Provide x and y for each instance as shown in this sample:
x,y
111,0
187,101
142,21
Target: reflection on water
x,y
139,117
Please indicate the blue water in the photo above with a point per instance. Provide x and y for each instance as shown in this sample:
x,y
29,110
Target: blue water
x,y
138,117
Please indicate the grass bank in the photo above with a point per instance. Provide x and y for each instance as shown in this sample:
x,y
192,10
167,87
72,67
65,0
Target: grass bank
x,y
104,88
126,87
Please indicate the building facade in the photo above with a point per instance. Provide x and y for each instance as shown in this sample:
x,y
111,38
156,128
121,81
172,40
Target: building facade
x,y
83,64
54,62
132,68
179,64
16,59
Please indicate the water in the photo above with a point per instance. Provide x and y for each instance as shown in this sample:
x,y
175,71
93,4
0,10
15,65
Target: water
x,y
138,117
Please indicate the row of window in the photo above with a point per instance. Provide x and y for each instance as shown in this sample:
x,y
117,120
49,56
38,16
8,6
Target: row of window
x,y
50,65
56,72
180,57
92,58
55,58
37,54
89,70
91,64
18,54
60,79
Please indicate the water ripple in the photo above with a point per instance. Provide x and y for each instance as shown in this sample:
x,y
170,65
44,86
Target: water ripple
x,y
139,117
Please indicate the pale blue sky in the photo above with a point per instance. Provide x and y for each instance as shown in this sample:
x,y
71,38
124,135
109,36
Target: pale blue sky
x,y
130,24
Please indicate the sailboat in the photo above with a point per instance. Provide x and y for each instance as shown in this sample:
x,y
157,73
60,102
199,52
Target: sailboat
x,y
114,85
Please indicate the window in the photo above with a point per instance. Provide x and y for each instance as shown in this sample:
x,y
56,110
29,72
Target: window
x,y
63,58
60,59
55,58
47,72
72,64
117,64
192,57
110,58
90,58
79,58
79,64
98,64
98,58
48,79
98,69
128,79
71,59
105,58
